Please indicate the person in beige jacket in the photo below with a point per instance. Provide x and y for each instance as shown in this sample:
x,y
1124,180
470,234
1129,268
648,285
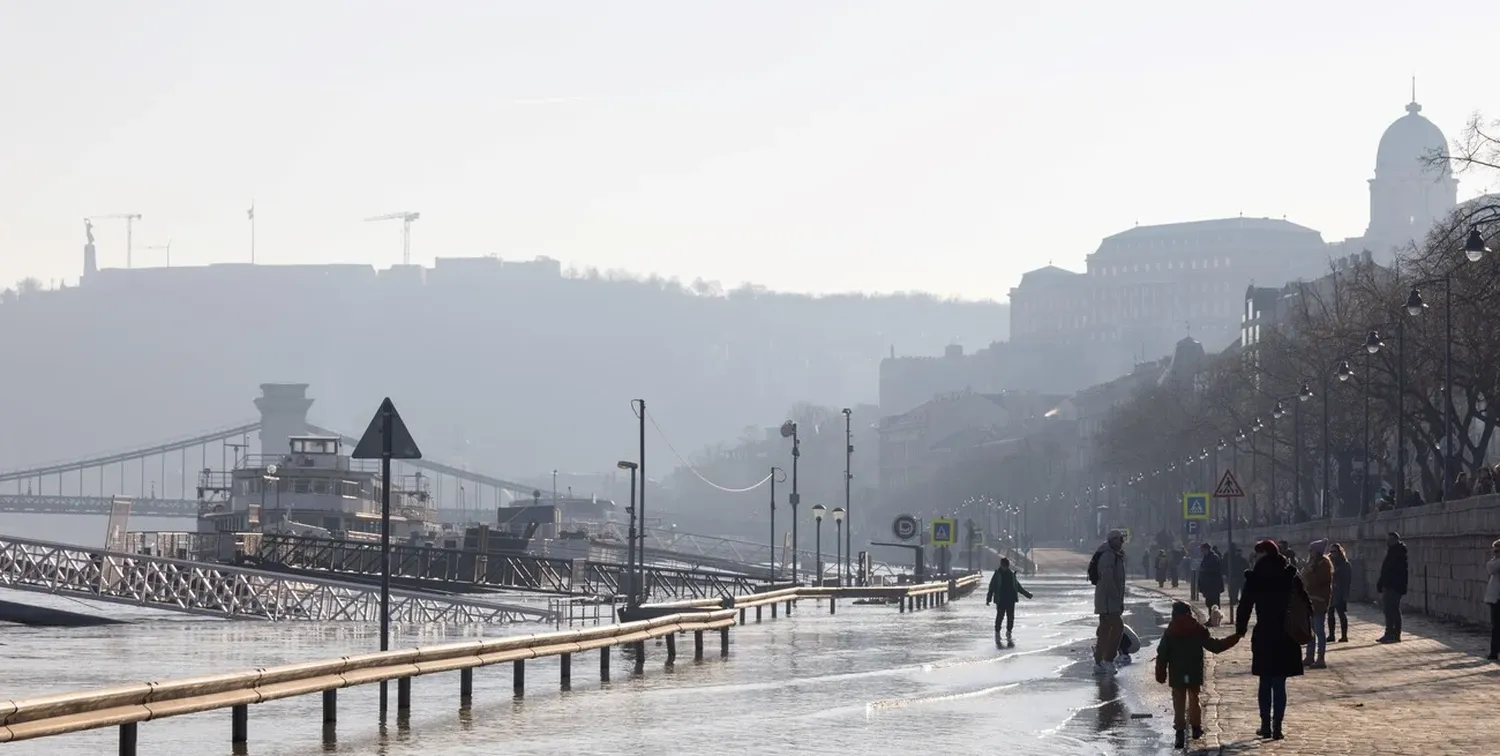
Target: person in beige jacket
x,y
1317,578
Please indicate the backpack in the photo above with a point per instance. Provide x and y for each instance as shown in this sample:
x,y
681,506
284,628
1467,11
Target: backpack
x,y
1299,616
1094,569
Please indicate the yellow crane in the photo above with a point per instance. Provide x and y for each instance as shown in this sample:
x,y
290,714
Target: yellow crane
x,y
406,219
130,219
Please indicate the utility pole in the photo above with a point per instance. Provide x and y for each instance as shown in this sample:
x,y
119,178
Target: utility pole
x,y
848,506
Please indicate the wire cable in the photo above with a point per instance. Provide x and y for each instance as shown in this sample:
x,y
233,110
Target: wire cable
x,y
694,470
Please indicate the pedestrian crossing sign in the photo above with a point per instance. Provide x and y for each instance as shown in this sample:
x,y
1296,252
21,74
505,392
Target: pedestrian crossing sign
x,y
1195,506
1229,487
943,531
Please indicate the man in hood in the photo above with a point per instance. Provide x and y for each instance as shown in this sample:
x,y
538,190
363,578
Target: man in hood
x,y
1392,586
1005,590
1109,600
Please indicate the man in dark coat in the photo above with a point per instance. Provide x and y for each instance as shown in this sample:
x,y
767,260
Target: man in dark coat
x,y
1005,590
1271,584
1210,576
1392,586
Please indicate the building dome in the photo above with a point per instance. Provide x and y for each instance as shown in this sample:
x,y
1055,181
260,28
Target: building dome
x,y
1408,142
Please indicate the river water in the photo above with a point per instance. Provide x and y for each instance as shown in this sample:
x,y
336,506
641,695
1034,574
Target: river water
x,y
869,680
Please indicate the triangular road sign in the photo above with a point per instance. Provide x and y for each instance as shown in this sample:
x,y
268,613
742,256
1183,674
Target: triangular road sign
x,y
374,445
1229,487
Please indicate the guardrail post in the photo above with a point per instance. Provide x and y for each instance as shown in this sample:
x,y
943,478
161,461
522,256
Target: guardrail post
x,y
671,648
465,687
773,609
789,604
640,657
127,739
757,614
901,602
518,677
832,605
742,615
697,645
724,643
604,664
330,707
565,671
239,724
403,695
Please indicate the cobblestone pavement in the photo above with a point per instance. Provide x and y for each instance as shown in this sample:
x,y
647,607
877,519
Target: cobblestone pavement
x,y
1433,693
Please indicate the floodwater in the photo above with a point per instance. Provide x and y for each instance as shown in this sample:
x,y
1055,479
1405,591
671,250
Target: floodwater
x,y
869,680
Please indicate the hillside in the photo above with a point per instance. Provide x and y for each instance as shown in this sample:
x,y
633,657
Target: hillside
x,y
513,368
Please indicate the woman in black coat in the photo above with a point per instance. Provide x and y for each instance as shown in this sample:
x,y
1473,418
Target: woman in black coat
x,y
1271,584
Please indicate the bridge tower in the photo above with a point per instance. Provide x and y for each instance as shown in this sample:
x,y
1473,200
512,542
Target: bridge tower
x,y
283,414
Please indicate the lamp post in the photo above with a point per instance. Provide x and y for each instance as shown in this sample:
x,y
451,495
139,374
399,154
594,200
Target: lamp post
x,y
1415,307
817,513
1277,413
789,430
1303,394
630,534
1255,428
774,472
848,505
1372,345
839,513
640,407
1343,372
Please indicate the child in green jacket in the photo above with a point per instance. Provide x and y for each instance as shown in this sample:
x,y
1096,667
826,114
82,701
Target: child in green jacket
x,y
1179,663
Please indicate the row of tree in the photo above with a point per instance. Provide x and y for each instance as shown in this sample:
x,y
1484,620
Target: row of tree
x,y
1347,383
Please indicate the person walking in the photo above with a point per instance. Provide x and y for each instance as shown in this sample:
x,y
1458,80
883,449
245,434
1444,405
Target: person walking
x,y
1161,568
1343,581
1107,573
1317,579
1210,576
1392,586
1005,590
1270,586
1492,597
1179,663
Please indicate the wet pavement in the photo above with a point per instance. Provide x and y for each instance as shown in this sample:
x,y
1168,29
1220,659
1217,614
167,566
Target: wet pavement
x,y
869,680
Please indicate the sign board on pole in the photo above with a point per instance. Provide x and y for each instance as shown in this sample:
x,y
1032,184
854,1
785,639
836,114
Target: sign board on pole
x,y
374,445
1195,506
1193,528
944,532
905,527
1229,487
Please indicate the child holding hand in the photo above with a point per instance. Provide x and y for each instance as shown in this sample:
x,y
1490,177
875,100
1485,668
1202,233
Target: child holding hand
x,y
1179,663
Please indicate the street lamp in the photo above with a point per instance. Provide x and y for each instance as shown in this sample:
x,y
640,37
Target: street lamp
x,y
1303,394
848,482
1414,304
789,430
1343,371
817,513
838,526
630,536
774,472
1474,247
1372,346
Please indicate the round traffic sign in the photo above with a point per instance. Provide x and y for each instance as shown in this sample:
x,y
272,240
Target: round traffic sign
x,y
905,527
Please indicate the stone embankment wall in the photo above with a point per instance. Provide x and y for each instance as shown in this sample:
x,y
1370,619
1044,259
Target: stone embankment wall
x,y
1448,545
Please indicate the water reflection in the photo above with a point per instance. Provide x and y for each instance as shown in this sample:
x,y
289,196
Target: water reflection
x,y
1111,712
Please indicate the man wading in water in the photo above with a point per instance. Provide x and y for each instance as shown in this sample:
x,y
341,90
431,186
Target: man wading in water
x,y
1005,589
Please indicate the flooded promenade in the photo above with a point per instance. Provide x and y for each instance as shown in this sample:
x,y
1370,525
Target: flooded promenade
x,y
868,680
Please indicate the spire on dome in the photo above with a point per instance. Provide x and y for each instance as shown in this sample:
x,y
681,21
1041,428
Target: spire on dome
x,y
1413,107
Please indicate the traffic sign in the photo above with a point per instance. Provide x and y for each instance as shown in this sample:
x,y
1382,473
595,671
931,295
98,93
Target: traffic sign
x,y
374,444
1195,506
905,527
944,531
1229,487
1193,528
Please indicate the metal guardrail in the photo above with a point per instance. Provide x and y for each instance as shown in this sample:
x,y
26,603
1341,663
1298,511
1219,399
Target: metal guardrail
x,y
126,706
909,597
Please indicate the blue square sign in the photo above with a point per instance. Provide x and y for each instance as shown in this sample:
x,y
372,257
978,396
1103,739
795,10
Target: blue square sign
x,y
1195,506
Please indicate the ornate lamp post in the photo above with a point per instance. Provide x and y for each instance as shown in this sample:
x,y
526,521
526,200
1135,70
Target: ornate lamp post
x,y
817,513
838,526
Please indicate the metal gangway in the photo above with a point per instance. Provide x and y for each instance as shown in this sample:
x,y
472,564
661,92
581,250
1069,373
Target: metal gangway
x,y
229,592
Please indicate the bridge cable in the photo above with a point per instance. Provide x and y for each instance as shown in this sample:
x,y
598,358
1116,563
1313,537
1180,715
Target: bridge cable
x,y
694,470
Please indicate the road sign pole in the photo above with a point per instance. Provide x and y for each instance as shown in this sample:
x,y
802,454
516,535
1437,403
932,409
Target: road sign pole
x,y
385,542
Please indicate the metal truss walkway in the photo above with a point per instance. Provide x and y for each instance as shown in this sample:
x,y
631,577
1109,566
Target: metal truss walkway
x,y
228,592
576,577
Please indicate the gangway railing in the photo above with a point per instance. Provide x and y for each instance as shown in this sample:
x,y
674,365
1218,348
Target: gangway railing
x,y
226,591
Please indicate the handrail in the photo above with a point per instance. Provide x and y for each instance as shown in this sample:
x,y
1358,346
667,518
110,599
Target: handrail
x,y
59,713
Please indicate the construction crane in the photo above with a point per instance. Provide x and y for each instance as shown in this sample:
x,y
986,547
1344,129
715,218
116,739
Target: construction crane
x,y
406,219
130,219
164,248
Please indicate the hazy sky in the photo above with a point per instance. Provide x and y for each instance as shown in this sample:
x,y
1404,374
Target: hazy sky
x,y
806,145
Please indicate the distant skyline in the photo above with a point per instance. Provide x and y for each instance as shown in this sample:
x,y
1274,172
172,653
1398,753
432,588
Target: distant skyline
x,y
814,147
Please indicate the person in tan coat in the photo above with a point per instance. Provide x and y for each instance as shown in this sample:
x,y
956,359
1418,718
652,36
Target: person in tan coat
x,y
1317,578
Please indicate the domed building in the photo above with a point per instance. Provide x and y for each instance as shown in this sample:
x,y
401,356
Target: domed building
x,y
1413,186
